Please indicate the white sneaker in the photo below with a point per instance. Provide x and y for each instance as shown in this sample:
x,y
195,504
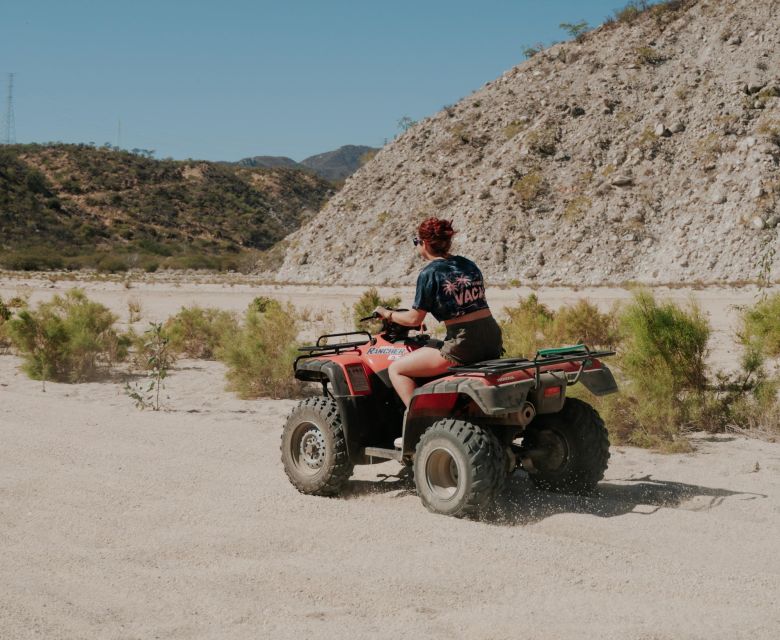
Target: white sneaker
x,y
398,443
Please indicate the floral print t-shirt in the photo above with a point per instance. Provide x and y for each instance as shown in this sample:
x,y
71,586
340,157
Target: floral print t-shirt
x,y
449,288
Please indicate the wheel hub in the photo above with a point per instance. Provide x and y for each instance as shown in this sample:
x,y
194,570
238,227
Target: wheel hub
x,y
442,474
550,453
312,448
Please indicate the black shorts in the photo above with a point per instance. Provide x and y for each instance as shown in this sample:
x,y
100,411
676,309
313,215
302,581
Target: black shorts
x,y
470,342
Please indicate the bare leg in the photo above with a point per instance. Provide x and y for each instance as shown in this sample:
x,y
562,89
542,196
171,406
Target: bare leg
x,y
423,362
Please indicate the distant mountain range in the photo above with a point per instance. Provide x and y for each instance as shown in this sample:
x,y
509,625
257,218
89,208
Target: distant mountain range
x,y
332,165
77,206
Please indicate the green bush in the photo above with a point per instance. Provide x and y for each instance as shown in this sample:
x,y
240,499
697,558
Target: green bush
x,y
262,303
532,325
365,306
197,332
748,398
761,325
583,322
649,56
32,260
153,355
525,327
260,355
5,316
663,375
111,264
576,30
68,339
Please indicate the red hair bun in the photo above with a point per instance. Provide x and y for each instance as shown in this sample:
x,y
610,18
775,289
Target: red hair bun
x,y
438,234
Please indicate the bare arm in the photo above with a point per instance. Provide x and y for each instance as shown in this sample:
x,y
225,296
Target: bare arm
x,y
411,318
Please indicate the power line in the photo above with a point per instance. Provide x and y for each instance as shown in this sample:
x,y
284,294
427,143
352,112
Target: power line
x,y
10,123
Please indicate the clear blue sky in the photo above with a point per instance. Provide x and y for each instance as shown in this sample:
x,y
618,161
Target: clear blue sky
x,y
235,78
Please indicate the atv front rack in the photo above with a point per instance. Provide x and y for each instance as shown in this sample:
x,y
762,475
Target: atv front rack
x,y
543,358
322,348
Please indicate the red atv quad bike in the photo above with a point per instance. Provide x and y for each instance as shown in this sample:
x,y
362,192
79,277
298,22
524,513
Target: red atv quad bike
x,y
464,432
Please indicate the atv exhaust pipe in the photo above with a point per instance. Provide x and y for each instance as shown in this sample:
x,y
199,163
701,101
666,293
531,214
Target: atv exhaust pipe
x,y
526,414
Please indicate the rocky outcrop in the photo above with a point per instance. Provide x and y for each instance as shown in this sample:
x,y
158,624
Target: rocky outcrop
x,y
650,152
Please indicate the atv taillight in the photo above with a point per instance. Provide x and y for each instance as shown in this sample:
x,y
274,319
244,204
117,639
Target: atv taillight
x,y
357,378
549,392
433,404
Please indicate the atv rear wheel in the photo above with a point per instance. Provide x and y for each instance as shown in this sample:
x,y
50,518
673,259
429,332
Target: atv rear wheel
x,y
456,468
568,450
314,450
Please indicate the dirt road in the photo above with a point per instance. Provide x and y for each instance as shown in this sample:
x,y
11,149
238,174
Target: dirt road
x,y
117,523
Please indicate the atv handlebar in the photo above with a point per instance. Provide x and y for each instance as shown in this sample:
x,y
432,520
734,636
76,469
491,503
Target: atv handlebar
x,y
376,316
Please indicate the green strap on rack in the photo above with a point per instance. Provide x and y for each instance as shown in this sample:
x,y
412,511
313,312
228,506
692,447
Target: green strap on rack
x,y
558,351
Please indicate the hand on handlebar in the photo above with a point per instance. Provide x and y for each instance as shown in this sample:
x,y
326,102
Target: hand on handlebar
x,y
379,313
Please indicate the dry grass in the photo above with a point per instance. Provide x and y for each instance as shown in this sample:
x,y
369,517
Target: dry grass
x,y
530,187
514,127
576,208
544,140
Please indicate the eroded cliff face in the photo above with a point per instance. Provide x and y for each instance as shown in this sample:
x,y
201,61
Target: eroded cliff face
x,y
648,152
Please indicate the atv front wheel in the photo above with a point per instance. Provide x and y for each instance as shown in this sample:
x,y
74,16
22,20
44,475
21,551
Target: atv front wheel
x,y
314,450
569,450
456,468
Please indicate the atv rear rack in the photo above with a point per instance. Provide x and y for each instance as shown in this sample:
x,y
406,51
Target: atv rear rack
x,y
543,358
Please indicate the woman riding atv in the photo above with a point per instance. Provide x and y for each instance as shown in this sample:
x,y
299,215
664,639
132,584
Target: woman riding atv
x,y
451,288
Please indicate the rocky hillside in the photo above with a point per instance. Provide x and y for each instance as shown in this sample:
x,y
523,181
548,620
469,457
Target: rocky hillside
x,y
649,151
75,205
333,165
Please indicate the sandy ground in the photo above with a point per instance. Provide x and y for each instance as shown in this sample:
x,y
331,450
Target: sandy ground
x,y
118,523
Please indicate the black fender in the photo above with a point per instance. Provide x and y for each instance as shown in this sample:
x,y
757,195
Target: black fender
x,y
600,382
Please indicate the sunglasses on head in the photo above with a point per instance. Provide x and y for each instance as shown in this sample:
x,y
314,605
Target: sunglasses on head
x,y
416,241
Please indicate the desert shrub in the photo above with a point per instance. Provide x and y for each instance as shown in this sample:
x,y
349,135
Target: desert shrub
x,y
68,339
514,127
5,316
708,149
748,397
576,208
262,303
543,140
532,50
530,187
532,325
576,30
261,353
134,310
364,307
32,260
111,264
761,325
632,11
663,374
154,356
583,322
197,332
525,327
649,56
